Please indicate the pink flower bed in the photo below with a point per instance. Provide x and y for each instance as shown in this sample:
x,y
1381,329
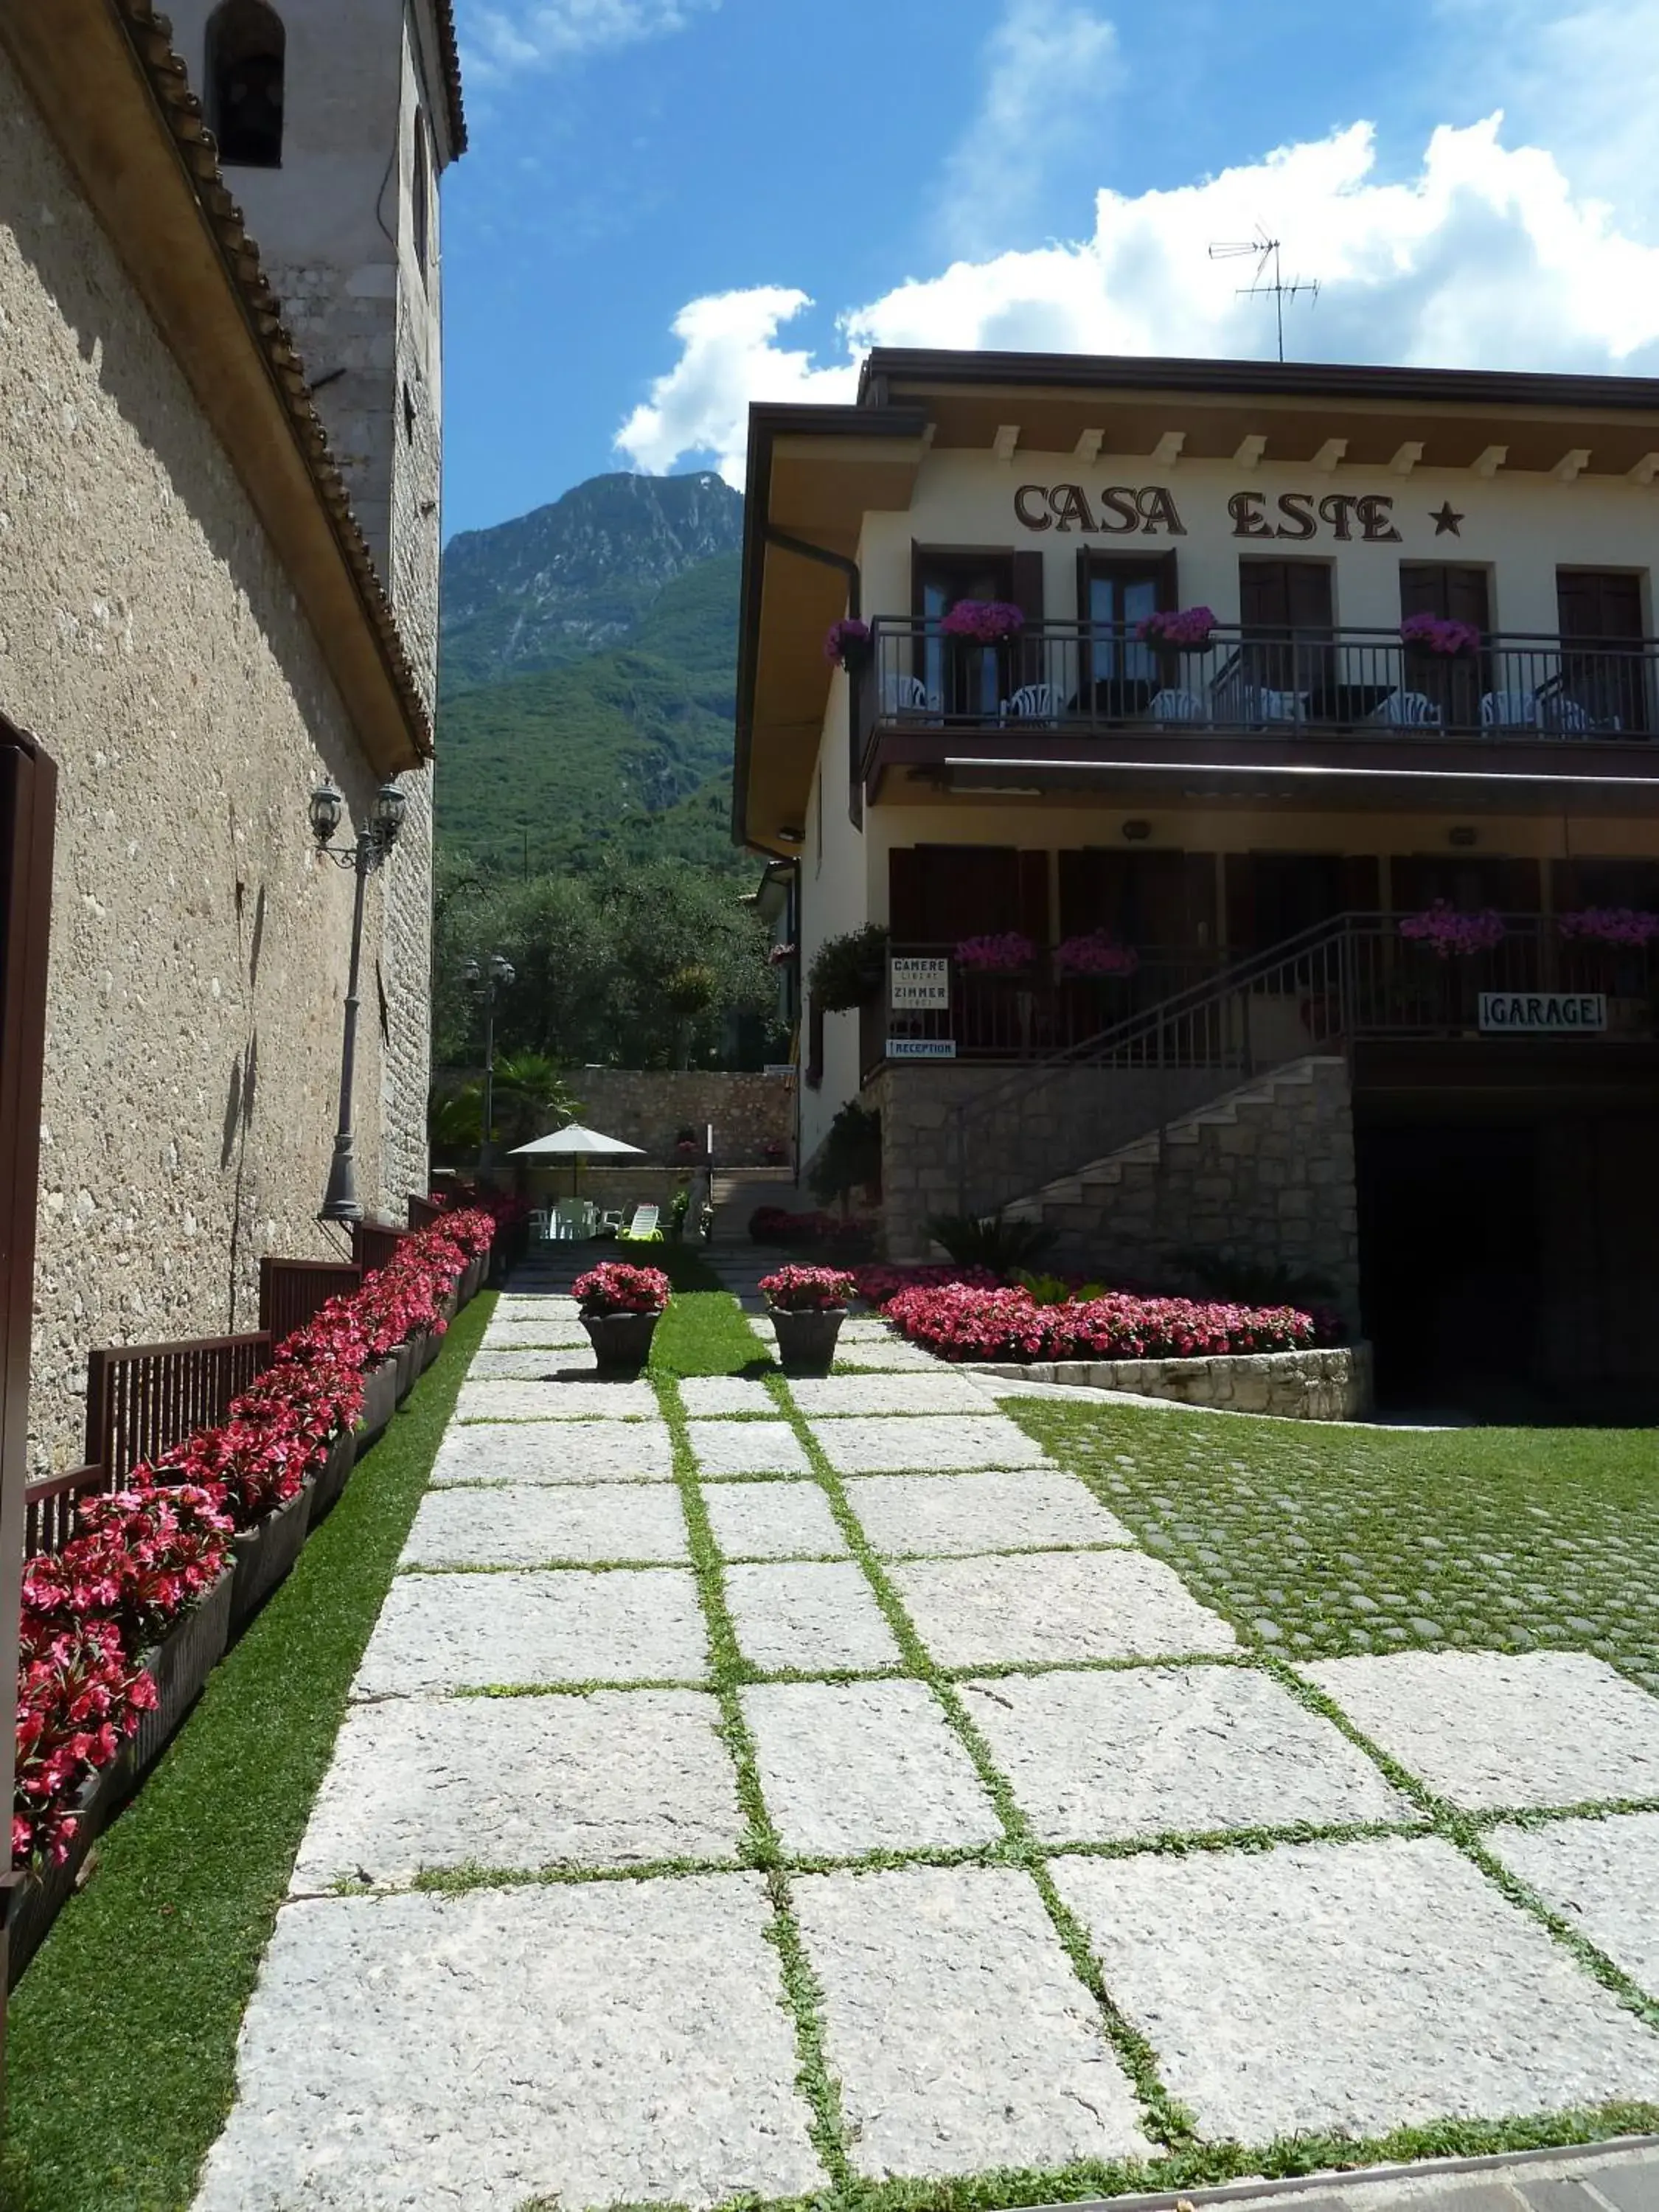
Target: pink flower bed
x,y
961,1320
141,1557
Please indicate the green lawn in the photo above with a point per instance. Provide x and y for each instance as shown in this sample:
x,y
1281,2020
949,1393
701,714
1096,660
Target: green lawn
x,y
1320,1542
122,2035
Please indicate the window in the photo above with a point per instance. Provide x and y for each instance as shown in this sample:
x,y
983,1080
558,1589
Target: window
x,y
420,214
1286,613
1605,685
247,49
409,414
975,680
1115,595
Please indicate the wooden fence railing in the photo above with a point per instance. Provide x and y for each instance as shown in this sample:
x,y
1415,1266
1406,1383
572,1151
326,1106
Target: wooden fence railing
x,y
293,1292
423,1212
49,1508
372,1244
142,1399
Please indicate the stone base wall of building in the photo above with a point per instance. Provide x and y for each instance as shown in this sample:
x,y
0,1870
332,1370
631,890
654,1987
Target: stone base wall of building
x,y
1334,1385
649,1106
1027,1135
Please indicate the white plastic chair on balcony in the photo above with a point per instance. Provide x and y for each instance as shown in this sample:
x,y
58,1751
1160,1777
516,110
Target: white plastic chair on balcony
x,y
1259,705
1409,710
1174,705
1509,710
1032,702
1570,718
907,695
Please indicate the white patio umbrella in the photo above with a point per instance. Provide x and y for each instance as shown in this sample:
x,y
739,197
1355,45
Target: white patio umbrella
x,y
575,1144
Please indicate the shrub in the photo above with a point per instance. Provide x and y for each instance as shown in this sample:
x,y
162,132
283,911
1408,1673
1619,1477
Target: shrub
x,y
808,1290
848,971
1057,1290
614,1287
850,1156
990,1241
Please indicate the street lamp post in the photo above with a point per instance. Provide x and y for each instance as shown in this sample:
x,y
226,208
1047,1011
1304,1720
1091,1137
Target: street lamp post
x,y
496,974
372,848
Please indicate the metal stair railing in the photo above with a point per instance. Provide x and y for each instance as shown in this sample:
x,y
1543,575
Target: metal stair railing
x,y
1201,1033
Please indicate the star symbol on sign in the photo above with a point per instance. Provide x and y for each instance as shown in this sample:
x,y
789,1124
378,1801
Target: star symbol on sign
x,y
1444,519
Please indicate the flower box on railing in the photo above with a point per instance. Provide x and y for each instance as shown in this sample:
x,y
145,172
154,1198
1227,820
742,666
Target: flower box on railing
x,y
265,1553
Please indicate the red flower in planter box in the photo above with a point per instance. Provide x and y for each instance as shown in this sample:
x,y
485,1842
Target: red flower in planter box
x,y
79,1698
958,1320
618,1288
808,1289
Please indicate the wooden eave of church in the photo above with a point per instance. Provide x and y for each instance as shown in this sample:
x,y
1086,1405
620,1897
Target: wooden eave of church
x,y
118,99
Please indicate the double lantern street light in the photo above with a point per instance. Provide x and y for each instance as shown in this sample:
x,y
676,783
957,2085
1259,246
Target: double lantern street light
x,y
486,978
372,849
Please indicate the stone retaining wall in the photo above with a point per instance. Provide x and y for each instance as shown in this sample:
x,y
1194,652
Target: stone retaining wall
x,y
1332,1385
649,1107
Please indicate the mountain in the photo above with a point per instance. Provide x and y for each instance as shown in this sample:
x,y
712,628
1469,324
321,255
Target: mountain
x,y
626,744
580,575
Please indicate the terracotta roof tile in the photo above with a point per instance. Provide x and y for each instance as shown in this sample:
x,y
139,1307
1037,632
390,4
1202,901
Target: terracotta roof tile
x,y
450,54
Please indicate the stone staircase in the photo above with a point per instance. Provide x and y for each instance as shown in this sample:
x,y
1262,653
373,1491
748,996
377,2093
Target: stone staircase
x,y
1264,1173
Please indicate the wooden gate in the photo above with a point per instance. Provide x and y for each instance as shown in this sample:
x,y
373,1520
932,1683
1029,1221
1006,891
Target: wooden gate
x,y
29,799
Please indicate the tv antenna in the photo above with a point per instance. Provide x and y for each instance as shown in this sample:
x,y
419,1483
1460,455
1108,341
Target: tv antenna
x,y
1263,250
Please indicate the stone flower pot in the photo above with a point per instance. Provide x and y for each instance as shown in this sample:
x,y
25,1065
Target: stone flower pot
x,y
806,1341
380,1402
266,1552
335,1473
620,1341
180,1666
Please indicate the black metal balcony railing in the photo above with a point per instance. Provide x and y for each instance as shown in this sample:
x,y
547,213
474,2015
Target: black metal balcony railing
x,y
1363,682
1350,980
1388,985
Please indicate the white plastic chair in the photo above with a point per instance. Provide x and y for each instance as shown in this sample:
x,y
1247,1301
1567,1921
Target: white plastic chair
x,y
1174,705
1262,704
1032,702
541,1224
1570,718
1409,710
645,1221
906,695
1509,710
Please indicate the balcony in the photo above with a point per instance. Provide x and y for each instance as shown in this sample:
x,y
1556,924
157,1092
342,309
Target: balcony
x,y
1354,979
1054,708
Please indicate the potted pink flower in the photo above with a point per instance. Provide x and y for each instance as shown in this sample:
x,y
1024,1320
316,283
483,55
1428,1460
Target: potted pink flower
x,y
808,1306
620,1306
1443,930
1184,630
1446,639
1097,953
1005,952
982,622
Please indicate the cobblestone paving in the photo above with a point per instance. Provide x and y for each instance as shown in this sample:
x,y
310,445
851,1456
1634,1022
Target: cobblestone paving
x,y
837,1792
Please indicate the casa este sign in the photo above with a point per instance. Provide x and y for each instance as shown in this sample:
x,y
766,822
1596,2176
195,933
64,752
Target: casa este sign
x,y
1543,1013
1150,511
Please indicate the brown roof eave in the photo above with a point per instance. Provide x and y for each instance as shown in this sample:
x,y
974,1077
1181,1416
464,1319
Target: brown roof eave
x,y
888,369
449,55
769,421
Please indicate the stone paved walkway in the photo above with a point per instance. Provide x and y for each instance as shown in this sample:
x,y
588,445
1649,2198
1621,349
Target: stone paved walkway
x,y
766,1791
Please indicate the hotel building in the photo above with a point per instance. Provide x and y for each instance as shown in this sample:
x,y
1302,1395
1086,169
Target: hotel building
x,y
1323,913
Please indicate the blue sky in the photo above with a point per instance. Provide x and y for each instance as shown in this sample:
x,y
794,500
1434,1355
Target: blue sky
x,y
672,206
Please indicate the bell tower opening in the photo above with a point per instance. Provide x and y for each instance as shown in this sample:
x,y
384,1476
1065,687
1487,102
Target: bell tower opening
x,y
246,55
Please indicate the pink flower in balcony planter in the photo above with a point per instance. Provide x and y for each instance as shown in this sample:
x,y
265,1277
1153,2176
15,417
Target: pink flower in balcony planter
x,y
845,641
1096,954
1188,629
983,622
1008,953
1452,640
1446,933
1609,924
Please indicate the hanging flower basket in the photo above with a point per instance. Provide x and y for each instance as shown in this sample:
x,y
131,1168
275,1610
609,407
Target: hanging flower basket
x,y
1623,925
1096,956
1181,630
982,622
1445,639
1009,952
1442,930
846,643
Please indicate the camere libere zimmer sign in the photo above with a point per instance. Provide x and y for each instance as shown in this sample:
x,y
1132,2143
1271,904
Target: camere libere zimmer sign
x,y
1543,1013
919,986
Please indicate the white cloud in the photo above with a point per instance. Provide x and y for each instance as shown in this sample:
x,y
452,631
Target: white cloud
x,y
1047,67
519,34
1487,257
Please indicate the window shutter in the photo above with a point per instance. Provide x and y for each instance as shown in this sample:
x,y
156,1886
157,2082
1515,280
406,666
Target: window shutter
x,y
904,896
1034,896
1076,901
1361,882
1030,658
1241,904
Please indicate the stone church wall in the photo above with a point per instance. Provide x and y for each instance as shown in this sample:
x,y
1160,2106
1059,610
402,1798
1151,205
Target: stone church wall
x,y
150,639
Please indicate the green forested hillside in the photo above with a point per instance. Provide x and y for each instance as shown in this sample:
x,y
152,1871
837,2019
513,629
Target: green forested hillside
x,y
628,747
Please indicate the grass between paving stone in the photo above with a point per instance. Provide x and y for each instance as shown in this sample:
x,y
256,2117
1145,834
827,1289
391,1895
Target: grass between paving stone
x,y
122,2035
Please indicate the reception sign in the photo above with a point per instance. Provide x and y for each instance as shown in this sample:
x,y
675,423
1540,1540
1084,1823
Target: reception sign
x,y
1543,1013
922,1048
